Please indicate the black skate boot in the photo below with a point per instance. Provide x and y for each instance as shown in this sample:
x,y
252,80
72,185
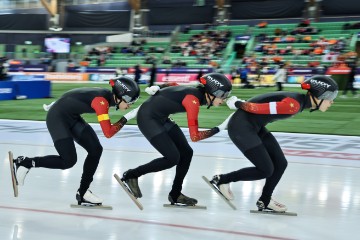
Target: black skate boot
x,y
132,184
272,206
88,199
21,166
183,200
224,188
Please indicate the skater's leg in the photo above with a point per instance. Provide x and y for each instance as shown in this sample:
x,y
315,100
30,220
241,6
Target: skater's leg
x,y
186,154
66,158
263,167
171,156
279,162
165,145
90,142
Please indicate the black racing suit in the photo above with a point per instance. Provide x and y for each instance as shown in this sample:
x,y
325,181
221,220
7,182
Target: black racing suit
x,y
165,135
65,125
248,132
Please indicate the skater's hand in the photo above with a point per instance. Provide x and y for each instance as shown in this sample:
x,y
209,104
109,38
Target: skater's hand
x,y
152,90
224,125
231,102
47,107
130,115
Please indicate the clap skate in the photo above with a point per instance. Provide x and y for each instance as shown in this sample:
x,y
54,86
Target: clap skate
x,y
183,202
13,174
18,172
272,208
216,187
89,200
127,189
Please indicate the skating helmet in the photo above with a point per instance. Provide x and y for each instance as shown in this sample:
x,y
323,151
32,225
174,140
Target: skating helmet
x,y
217,85
125,89
321,87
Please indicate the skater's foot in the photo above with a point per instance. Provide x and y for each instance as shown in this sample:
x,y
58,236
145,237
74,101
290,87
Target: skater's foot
x,y
182,199
223,188
272,206
21,166
132,184
88,198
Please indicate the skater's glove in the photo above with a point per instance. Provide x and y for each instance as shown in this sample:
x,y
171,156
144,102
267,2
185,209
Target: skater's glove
x,y
130,115
224,125
47,107
152,90
231,102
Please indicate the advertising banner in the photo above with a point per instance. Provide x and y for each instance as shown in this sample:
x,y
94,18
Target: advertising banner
x,y
357,82
338,70
27,68
52,76
185,70
180,78
106,77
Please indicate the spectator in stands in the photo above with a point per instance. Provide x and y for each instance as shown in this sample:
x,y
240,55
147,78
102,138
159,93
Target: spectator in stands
x,y
70,63
350,82
280,77
24,52
313,9
152,75
306,39
187,29
3,71
166,60
137,73
262,24
120,72
244,78
277,32
84,64
234,73
150,59
304,23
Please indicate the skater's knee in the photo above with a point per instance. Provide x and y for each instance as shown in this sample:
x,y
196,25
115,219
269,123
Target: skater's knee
x,y
268,171
187,153
69,161
96,151
173,160
283,165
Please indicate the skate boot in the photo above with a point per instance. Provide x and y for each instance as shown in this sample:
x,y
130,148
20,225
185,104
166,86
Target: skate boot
x,y
132,184
88,198
223,188
183,200
20,170
272,206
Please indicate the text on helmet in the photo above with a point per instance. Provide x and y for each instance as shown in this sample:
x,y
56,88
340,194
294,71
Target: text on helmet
x,y
320,83
216,82
124,87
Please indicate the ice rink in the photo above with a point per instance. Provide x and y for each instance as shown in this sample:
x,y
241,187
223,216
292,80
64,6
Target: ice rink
x,y
321,184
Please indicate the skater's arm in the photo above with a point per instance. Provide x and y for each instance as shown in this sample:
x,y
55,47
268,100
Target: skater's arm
x,y
286,106
101,107
154,89
170,84
192,106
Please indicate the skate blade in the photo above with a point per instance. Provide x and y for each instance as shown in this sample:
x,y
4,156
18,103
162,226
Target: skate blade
x,y
274,213
13,176
219,193
185,206
91,206
138,204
